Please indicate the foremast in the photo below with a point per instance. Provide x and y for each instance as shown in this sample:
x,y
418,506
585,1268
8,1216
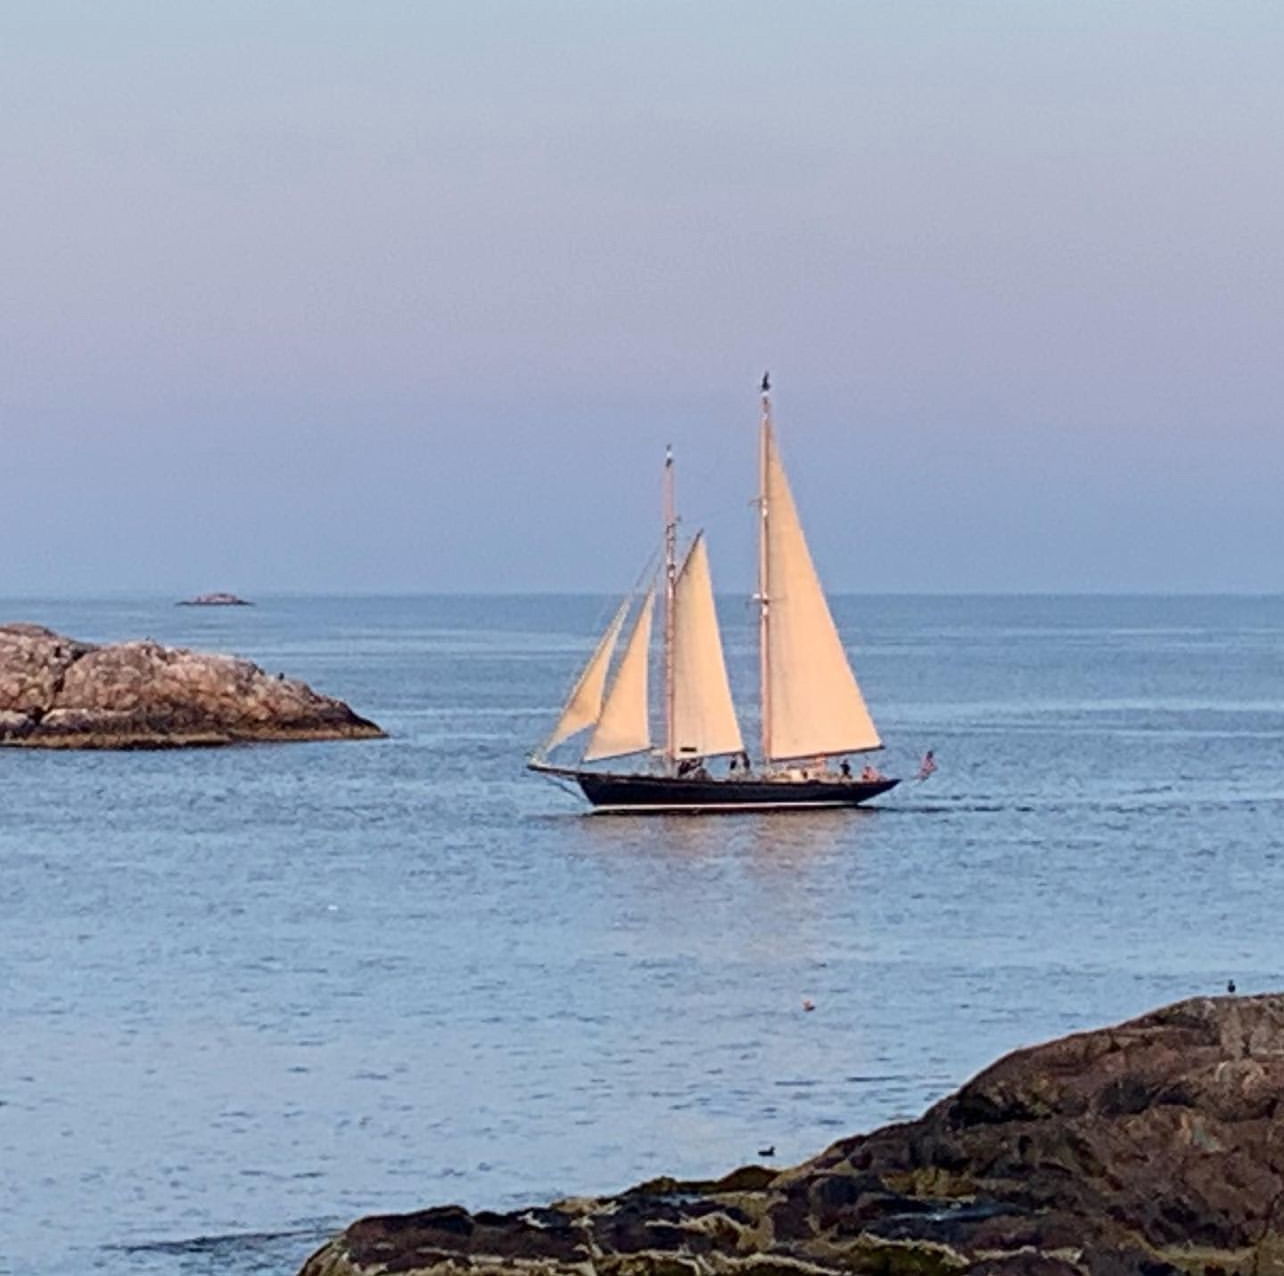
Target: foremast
x,y
763,595
700,718
670,591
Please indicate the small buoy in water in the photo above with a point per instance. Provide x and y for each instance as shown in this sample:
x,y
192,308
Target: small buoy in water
x,y
1230,987
808,1004
771,1151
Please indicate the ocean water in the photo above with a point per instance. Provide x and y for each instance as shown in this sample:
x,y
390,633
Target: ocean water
x,y
250,994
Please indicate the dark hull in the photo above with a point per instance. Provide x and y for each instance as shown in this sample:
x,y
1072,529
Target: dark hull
x,y
643,793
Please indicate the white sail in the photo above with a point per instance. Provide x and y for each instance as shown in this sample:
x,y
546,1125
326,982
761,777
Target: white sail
x,y
704,718
584,704
811,703
624,725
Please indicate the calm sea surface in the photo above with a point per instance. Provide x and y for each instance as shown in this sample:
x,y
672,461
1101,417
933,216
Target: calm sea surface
x,y
250,994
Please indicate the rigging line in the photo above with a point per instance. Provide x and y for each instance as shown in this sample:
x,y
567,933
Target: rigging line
x,y
611,601
561,784
647,573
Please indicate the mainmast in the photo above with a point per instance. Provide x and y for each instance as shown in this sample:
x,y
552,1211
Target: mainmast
x,y
764,593
670,582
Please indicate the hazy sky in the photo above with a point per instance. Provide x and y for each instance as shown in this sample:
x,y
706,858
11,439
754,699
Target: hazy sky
x,y
409,296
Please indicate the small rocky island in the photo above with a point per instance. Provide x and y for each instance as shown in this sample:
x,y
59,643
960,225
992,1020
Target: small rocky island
x,y
1147,1149
215,600
57,693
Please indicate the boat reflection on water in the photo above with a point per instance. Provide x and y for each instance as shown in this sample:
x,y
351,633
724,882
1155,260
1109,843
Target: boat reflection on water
x,y
769,841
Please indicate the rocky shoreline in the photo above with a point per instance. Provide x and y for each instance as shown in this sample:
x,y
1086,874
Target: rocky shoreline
x,y
58,693
1147,1148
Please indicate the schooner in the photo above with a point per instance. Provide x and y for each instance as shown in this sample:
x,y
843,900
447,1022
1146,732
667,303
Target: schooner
x,y
812,710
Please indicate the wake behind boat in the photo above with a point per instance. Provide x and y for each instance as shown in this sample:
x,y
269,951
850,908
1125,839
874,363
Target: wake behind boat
x,y
812,708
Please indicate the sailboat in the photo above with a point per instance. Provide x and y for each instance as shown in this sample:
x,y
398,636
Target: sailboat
x,y
812,709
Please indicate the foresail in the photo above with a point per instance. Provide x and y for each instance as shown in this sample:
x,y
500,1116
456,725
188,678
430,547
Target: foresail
x,y
704,718
584,705
624,725
812,703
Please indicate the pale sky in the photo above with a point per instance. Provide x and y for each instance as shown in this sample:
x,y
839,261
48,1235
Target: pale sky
x,y
391,295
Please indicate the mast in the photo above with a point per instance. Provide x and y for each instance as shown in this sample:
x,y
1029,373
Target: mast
x,y
670,583
764,596
812,704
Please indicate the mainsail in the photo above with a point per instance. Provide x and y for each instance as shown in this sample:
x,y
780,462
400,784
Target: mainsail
x,y
812,705
584,704
625,725
704,719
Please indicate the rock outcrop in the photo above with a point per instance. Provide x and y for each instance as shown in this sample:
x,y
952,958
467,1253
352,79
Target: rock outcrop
x,y
1152,1147
215,600
58,693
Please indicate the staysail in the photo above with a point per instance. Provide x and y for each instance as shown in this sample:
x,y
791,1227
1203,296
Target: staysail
x,y
584,704
624,725
704,718
812,705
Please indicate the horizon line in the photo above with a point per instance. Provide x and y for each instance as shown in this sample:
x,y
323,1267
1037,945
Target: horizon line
x,y
276,594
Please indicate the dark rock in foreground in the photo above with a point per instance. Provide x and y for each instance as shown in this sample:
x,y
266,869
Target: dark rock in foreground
x,y
1152,1147
215,600
56,693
